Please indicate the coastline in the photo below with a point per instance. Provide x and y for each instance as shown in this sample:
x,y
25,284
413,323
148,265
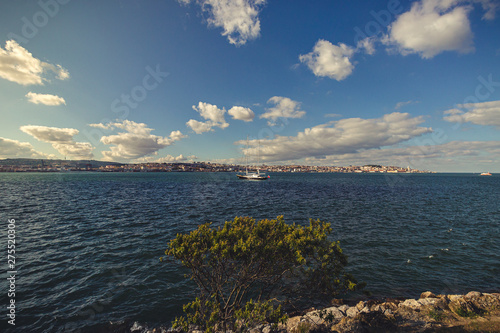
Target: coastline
x,y
472,312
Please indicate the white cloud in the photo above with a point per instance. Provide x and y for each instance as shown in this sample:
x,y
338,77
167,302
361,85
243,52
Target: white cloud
x,y
50,134
490,7
211,112
172,159
61,139
402,104
333,61
239,19
486,113
16,149
76,150
135,142
241,113
435,157
214,116
166,159
19,66
284,108
45,99
340,137
432,27
199,127
367,44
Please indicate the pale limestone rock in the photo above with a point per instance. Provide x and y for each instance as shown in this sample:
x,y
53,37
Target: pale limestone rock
x,y
366,309
427,301
352,312
343,308
411,303
335,312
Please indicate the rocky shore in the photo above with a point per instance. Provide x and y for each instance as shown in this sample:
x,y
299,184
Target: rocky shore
x,y
473,312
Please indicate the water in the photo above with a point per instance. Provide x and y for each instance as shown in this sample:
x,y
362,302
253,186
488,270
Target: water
x,y
88,244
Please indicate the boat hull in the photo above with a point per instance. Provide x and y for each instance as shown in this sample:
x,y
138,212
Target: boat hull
x,y
252,177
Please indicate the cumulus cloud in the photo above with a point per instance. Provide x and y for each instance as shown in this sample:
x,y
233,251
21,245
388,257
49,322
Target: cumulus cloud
x,y
16,149
241,113
166,159
239,19
199,127
432,27
213,115
135,141
486,113
18,65
61,139
340,137
424,157
172,159
326,59
45,99
50,134
284,108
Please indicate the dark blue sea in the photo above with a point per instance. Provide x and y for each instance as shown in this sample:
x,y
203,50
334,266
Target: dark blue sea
x,y
88,244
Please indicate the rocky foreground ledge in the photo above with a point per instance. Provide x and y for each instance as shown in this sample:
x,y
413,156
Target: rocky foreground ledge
x,y
473,312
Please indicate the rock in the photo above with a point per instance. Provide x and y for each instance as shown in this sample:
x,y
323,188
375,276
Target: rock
x,y
360,305
292,323
366,322
427,301
366,309
427,294
453,297
463,307
334,312
389,305
266,329
441,304
352,312
474,294
343,309
136,327
411,303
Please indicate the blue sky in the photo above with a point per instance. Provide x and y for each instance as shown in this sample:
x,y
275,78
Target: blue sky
x,y
334,83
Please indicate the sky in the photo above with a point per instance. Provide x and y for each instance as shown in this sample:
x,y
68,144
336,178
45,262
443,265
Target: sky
x,y
393,82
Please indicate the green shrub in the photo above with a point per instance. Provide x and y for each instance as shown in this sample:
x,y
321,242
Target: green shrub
x,y
264,260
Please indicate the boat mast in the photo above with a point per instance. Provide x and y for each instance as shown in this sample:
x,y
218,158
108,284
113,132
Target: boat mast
x,y
246,158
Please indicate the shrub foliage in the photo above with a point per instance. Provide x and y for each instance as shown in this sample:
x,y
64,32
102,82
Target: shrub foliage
x,y
245,268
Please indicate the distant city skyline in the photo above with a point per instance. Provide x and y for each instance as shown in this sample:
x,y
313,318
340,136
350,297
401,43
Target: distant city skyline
x,y
406,83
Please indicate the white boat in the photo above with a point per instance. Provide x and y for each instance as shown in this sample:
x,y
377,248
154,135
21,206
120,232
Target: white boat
x,y
252,175
485,174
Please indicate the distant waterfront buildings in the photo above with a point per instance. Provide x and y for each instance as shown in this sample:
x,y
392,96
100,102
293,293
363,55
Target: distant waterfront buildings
x,y
26,165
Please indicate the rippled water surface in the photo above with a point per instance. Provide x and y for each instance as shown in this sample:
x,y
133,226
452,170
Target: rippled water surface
x,y
88,244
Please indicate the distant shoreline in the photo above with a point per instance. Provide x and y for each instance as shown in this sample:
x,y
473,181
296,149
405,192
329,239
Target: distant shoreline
x,y
34,165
